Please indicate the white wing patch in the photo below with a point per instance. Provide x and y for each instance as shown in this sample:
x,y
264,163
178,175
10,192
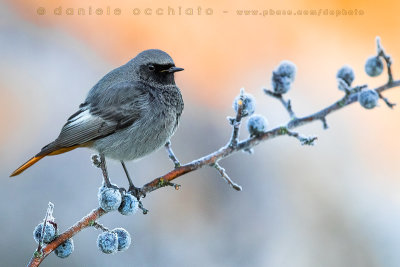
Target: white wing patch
x,y
80,118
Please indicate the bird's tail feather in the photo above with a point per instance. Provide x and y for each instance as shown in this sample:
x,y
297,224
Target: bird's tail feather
x,y
46,151
26,165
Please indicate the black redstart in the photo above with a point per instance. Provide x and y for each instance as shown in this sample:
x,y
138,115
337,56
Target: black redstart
x,y
132,111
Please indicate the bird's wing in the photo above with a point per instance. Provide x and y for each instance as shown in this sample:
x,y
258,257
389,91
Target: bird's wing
x,y
116,108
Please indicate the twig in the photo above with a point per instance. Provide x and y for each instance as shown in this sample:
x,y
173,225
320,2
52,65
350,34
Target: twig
x,y
99,226
324,123
47,218
235,122
387,102
286,104
386,57
309,141
226,177
171,154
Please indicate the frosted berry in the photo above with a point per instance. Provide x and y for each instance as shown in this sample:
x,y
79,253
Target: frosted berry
x,y
65,249
109,198
283,77
346,73
374,66
49,233
107,242
129,204
368,98
124,238
249,104
257,124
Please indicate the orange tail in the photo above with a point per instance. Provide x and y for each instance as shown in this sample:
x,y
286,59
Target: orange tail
x,y
38,157
26,165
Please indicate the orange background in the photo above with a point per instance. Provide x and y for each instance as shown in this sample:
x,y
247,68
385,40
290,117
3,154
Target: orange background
x,y
335,204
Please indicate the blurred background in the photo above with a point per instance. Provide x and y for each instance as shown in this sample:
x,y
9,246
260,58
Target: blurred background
x,y
334,204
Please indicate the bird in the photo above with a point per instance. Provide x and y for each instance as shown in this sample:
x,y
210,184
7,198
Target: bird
x,y
129,113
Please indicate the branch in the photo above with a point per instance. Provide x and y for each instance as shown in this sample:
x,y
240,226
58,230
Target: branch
x,y
226,151
86,221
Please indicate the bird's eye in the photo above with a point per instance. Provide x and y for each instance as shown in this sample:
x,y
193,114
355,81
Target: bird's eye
x,y
151,68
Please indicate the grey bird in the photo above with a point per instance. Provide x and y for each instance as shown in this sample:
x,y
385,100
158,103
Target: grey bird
x,y
132,111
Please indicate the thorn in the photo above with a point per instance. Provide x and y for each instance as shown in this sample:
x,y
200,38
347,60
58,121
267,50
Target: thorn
x,y
309,141
249,150
145,211
231,120
324,123
387,102
176,186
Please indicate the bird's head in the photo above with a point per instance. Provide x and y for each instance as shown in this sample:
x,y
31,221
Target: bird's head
x,y
155,66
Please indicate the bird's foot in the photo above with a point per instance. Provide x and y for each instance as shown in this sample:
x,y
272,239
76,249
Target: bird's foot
x,y
136,191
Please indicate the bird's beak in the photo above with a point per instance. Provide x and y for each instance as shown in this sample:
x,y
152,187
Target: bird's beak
x,y
172,70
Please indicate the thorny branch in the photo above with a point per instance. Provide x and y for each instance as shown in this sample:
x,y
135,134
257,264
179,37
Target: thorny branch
x,y
234,145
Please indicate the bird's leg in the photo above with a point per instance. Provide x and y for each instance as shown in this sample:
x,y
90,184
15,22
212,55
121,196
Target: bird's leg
x,y
171,154
99,161
127,175
132,187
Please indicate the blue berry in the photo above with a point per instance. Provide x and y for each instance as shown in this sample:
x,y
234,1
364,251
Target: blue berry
x,y
129,204
283,77
107,242
109,198
374,66
65,249
124,238
257,124
49,233
249,104
346,73
368,98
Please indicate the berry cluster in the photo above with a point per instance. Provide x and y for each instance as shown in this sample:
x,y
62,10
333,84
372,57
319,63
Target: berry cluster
x,y
256,124
111,199
49,234
367,98
110,242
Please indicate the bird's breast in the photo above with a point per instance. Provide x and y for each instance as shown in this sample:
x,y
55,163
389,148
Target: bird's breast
x,y
147,134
